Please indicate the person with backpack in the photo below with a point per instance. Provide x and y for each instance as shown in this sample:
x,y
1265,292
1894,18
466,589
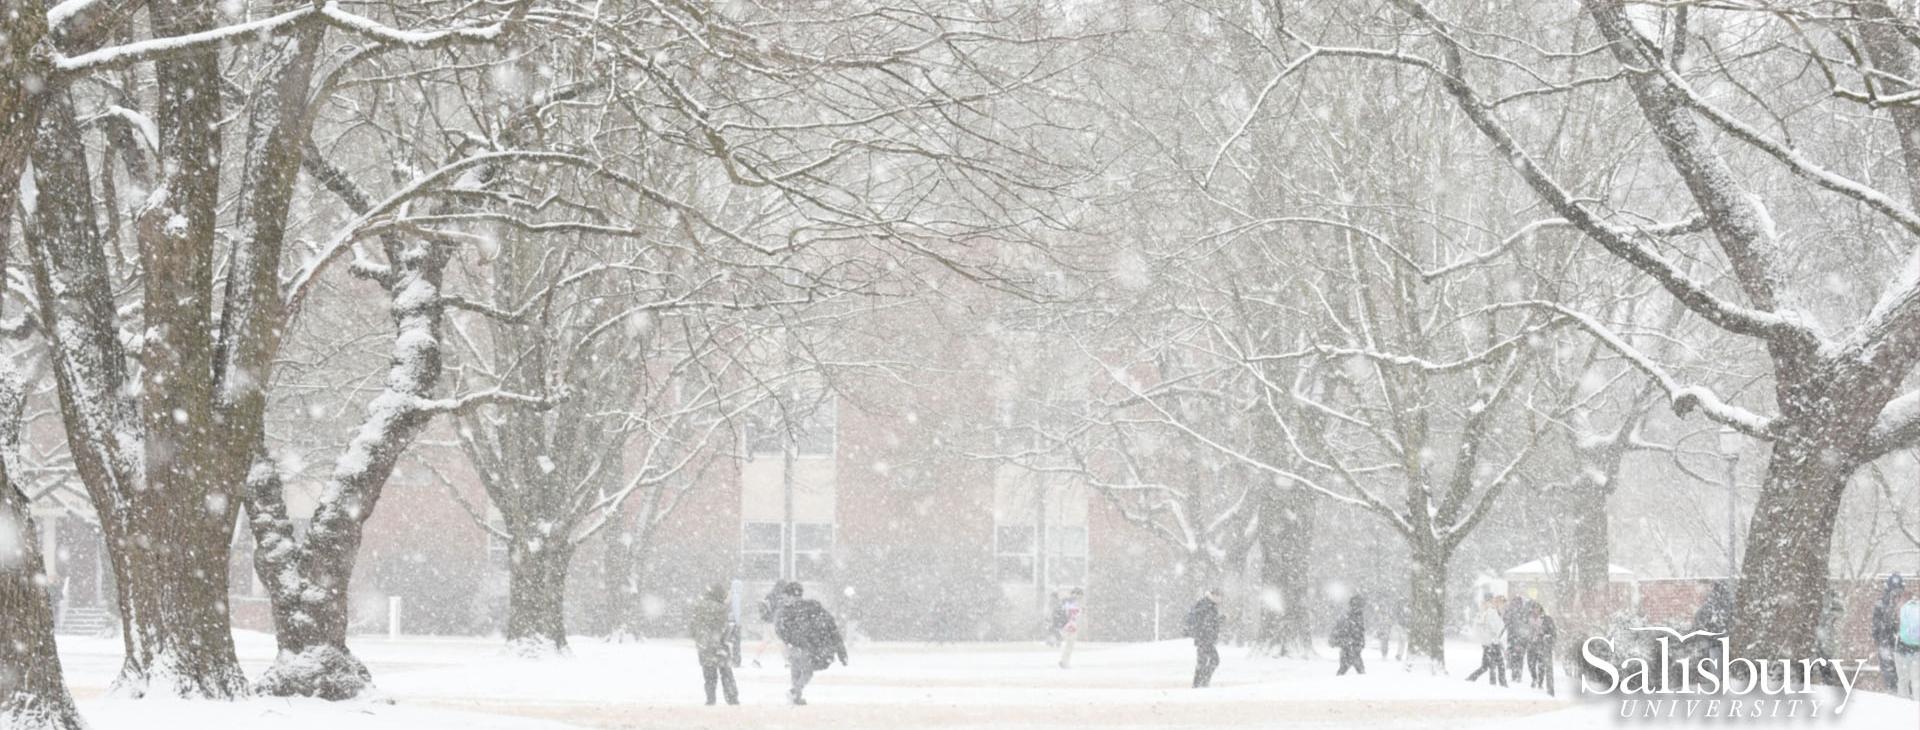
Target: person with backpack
x,y
1350,637
1203,624
1486,628
1070,626
813,639
1907,650
712,635
1884,628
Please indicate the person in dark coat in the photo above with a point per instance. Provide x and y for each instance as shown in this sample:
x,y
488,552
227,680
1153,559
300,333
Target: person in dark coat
x,y
1540,655
1884,628
813,639
1203,624
711,629
1716,613
1715,616
1518,619
1350,636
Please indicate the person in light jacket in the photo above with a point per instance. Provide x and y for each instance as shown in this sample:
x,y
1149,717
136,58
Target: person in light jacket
x,y
1487,628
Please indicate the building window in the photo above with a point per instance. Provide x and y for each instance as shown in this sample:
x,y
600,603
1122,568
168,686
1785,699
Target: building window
x,y
499,549
760,551
811,545
1067,556
1013,551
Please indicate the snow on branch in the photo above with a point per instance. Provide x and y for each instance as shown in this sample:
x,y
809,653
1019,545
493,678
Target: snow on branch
x,y
1897,426
495,396
1619,242
1792,158
328,12
66,10
1685,398
1466,362
1366,501
413,38
154,48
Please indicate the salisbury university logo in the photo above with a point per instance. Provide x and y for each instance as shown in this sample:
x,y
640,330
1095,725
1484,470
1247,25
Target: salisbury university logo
x,y
1695,675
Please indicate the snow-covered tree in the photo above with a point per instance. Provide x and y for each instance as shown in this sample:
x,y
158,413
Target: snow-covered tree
x,y
1751,175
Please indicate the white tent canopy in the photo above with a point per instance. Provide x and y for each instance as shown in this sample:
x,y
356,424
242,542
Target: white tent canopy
x,y
1549,566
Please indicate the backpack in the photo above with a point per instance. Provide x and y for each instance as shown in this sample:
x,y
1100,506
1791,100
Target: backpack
x,y
1910,623
1192,625
1059,617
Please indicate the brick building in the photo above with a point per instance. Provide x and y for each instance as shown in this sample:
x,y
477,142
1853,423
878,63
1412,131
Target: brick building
x,y
1673,602
881,511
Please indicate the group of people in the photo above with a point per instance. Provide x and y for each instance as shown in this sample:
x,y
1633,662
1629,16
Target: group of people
x,y
1895,628
1516,638
809,633
1515,634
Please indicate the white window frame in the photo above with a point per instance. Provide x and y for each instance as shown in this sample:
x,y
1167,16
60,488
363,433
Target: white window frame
x,y
1001,553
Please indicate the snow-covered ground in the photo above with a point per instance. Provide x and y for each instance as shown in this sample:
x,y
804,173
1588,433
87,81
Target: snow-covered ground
x,y
469,684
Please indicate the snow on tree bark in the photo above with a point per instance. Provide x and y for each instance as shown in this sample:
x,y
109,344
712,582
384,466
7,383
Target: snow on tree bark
x,y
308,580
33,690
164,512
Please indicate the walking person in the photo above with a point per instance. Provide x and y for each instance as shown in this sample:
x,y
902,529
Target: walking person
x,y
1715,617
813,640
1885,629
1907,649
1486,628
1518,618
1070,630
1350,637
770,607
1203,624
1057,620
713,633
1540,656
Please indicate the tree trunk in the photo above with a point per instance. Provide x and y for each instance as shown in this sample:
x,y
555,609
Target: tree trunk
x,y
1783,576
33,689
536,604
33,692
308,580
1285,542
173,602
1585,583
617,578
309,627
1427,605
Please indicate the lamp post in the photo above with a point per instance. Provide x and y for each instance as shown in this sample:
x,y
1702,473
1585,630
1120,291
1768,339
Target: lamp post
x,y
1730,443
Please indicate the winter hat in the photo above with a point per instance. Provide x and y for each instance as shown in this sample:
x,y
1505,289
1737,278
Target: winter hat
x,y
792,588
1895,582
